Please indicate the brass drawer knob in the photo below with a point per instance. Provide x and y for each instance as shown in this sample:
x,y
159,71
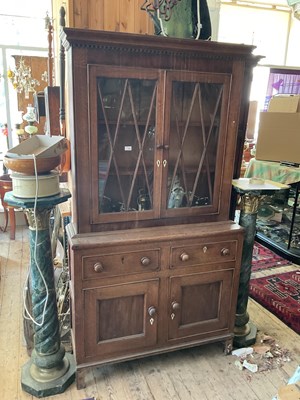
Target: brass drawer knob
x,y
145,261
225,252
184,256
98,267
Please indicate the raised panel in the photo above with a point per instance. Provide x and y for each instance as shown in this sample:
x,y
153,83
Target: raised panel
x,y
201,292
120,327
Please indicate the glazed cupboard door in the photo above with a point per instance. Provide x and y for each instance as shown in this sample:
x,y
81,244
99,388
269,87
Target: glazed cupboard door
x,y
123,132
194,144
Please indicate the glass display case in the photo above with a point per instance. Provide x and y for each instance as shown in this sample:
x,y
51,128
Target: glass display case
x,y
278,222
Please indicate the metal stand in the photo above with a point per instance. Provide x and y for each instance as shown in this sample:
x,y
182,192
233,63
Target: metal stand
x,y
251,194
50,370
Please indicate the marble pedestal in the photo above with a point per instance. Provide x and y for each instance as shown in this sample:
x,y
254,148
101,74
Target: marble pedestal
x,y
251,192
50,370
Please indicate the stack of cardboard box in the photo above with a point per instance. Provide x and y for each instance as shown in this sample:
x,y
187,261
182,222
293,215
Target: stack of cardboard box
x,y
279,130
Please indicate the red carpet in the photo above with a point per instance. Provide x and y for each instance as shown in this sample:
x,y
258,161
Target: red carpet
x,y
264,258
280,294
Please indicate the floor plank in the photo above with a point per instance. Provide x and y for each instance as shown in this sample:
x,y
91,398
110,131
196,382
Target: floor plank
x,y
201,373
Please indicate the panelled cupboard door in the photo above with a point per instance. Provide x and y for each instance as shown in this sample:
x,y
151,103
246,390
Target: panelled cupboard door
x,y
200,304
120,319
157,142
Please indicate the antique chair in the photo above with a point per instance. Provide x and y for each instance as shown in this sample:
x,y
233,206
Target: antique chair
x,y
9,212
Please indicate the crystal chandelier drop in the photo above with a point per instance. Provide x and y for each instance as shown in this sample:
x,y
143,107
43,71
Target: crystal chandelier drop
x,y
22,80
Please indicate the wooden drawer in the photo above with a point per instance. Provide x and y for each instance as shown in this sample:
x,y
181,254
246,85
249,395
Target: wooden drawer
x,y
115,264
203,253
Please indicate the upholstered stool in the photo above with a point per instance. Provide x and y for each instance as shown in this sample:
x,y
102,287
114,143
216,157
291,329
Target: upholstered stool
x,y
9,212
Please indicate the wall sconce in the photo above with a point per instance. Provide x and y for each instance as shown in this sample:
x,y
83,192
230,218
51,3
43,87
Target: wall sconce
x,y
22,80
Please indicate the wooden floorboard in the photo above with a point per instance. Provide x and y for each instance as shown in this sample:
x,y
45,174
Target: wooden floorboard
x,y
202,373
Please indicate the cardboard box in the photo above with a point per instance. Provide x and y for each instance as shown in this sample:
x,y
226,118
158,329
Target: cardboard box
x,y
279,131
285,103
289,392
42,146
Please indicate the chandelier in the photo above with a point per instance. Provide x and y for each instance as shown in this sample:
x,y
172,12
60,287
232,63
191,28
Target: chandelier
x,y
22,80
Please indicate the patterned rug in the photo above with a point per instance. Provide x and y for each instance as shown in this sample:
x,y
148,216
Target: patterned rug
x,y
280,294
264,258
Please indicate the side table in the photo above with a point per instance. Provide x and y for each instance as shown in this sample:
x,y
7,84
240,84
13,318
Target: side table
x,y
9,212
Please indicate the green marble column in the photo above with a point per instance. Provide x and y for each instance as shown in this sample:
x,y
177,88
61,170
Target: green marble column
x,y
50,370
251,192
245,331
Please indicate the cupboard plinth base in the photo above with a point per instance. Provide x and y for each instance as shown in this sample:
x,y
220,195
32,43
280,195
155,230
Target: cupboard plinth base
x,y
82,370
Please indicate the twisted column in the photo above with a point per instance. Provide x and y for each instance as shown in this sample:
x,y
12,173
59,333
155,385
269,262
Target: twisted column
x,y
50,370
48,352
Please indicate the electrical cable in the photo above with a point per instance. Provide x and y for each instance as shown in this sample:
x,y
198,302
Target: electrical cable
x,y
199,25
26,314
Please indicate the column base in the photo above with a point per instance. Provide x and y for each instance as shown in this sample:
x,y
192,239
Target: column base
x,y
245,336
48,387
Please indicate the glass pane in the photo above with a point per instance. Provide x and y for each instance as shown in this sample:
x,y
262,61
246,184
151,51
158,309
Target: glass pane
x,y
126,137
194,134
